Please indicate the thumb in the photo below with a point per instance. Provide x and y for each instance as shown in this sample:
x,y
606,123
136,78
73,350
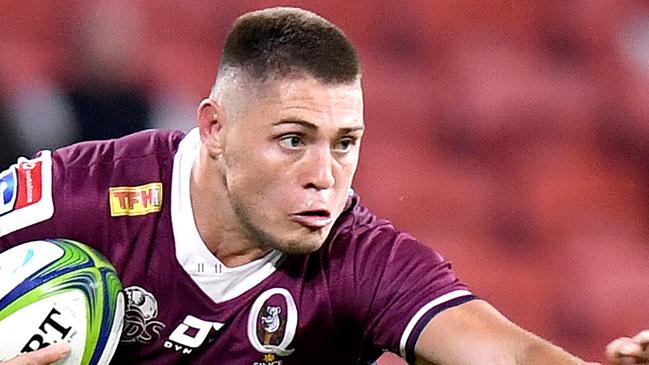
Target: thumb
x,y
43,356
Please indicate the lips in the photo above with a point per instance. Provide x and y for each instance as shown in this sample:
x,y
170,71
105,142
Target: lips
x,y
313,219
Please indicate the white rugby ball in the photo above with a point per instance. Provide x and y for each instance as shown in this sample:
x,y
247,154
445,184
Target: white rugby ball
x,y
59,290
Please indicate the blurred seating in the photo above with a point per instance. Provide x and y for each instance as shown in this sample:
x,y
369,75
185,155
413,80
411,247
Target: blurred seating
x,y
511,136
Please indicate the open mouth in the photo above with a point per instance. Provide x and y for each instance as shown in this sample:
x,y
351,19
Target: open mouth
x,y
316,213
313,219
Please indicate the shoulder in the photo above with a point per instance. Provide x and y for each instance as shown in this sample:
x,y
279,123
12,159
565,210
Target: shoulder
x,y
84,170
86,173
360,230
356,217
76,182
153,142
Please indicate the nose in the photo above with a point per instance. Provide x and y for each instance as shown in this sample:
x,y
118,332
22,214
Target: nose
x,y
319,169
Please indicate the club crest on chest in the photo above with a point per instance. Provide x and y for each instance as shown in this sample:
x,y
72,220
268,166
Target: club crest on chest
x,y
272,323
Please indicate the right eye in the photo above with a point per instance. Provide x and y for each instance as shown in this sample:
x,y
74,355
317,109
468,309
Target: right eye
x,y
291,141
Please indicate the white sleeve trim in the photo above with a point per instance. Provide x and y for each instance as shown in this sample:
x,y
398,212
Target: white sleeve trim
x,y
420,313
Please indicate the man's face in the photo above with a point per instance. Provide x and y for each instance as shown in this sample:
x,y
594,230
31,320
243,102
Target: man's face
x,y
290,150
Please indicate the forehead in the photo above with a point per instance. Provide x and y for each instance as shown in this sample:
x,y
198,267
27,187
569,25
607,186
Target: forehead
x,y
308,99
308,89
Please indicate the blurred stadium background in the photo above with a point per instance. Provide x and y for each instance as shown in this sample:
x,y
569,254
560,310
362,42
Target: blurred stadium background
x,y
512,136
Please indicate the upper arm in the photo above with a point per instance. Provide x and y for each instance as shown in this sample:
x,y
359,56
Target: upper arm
x,y
476,333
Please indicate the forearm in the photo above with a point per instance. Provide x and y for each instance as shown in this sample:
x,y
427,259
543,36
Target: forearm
x,y
475,333
540,352
532,351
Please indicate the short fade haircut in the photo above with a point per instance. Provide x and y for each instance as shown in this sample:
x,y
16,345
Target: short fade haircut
x,y
277,42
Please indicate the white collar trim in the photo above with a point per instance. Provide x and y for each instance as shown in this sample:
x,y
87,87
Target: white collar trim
x,y
219,282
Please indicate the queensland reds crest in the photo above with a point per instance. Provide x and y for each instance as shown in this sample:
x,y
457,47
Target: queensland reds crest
x,y
272,322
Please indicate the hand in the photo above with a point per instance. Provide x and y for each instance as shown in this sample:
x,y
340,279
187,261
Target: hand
x,y
44,356
625,350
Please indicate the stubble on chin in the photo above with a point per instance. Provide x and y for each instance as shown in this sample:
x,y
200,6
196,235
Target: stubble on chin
x,y
299,242
300,248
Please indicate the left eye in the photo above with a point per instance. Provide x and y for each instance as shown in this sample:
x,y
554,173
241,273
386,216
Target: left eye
x,y
345,144
291,141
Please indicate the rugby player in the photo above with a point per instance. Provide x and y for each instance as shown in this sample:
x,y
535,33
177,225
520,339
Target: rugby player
x,y
242,241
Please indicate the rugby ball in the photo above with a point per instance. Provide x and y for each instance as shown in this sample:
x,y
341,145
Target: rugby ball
x,y
59,290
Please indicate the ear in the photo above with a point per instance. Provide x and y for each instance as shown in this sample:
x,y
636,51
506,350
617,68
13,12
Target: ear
x,y
210,124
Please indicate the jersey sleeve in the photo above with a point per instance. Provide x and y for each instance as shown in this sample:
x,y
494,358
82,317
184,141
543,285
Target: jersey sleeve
x,y
105,194
54,195
396,285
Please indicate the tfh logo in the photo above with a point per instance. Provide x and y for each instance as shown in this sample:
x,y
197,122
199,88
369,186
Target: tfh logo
x,y
135,200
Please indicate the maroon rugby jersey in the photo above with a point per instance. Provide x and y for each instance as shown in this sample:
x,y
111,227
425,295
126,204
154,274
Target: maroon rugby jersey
x,y
369,289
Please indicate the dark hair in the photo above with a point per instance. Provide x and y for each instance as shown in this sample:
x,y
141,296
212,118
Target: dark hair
x,y
281,41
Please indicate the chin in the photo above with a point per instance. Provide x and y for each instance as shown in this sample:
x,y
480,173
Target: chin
x,y
300,247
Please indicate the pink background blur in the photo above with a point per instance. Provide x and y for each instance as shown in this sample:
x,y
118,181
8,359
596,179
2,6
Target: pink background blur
x,y
512,136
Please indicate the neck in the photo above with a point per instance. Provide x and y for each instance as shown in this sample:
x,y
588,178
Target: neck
x,y
215,219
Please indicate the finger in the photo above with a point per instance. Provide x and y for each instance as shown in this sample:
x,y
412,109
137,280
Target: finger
x,y
627,360
623,346
643,339
43,356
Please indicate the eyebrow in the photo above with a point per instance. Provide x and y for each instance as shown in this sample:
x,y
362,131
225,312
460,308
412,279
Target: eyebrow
x,y
311,126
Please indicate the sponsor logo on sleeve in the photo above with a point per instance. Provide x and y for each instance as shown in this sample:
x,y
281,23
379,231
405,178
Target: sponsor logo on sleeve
x,y
272,323
21,186
26,193
135,200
